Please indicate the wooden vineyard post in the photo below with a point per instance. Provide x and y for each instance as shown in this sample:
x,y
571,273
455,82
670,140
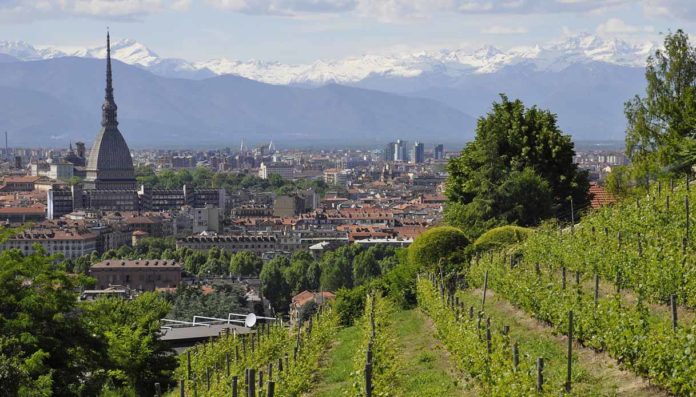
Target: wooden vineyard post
x,y
485,288
570,351
687,183
182,388
207,378
577,277
235,392
667,203
515,356
673,305
271,389
686,209
188,364
227,363
251,384
368,379
563,277
596,290
488,340
158,389
540,374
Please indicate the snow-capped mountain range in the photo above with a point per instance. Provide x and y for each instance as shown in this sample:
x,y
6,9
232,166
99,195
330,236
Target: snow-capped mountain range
x,y
554,57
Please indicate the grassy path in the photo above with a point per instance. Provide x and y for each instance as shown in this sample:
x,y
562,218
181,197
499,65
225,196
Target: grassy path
x,y
334,378
595,374
424,363
424,366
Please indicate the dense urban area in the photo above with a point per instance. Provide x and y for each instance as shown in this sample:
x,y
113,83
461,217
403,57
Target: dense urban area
x,y
517,264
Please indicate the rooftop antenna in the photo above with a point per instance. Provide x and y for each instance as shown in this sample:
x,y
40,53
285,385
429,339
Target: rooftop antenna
x,y
7,148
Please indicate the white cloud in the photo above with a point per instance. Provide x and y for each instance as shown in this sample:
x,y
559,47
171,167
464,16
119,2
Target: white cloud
x,y
126,9
677,9
285,7
616,26
392,9
497,29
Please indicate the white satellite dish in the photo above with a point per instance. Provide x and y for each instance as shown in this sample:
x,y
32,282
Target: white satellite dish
x,y
250,320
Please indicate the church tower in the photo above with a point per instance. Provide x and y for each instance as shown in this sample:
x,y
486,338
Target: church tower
x,y
109,166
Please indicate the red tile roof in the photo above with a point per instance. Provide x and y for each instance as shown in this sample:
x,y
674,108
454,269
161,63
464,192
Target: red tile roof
x,y
599,196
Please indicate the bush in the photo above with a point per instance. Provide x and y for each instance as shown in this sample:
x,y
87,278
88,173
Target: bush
x,y
439,243
500,237
350,304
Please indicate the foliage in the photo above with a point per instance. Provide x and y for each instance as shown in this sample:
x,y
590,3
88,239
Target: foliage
x,y
436,245
274,287
384,364
136,356
188,301
201,177
662,123
350,304
303,273
519,169
500,237
245,263
638,246
268,346
465,339
51,344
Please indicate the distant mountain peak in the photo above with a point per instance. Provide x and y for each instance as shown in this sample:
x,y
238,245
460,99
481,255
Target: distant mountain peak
x,y
553,56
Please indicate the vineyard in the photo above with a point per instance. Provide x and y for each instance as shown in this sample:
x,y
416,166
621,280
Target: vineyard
x,y
626,272
602,308
275,360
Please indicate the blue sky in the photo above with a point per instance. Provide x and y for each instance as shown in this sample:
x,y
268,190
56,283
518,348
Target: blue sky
x,y
307,30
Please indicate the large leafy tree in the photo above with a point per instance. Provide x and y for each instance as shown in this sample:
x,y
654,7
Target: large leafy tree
x,y
273,284
45,348
136,357
245,263
518,170
662,124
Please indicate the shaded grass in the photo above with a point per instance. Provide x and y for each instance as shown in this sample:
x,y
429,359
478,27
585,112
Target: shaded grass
x,y
335,378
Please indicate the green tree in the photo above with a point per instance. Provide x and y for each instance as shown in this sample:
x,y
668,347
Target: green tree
x,y
297,275
273,284
663,123
365,267
245,263
45,347
519,169
136,356
337,269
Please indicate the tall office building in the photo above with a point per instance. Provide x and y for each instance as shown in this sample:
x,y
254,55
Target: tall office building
x,y
401,152
389,151
439,152
418,156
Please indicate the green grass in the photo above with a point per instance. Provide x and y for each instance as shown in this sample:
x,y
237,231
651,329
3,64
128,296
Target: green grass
x,y
425,369
335,375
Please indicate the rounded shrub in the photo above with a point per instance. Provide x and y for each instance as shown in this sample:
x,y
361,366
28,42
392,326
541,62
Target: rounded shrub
x,y
443,242
501,237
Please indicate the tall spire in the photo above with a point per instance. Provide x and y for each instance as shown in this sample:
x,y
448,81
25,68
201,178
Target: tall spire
x,y
109,107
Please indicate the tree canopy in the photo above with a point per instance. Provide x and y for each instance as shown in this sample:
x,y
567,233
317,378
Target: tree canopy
x,y
518,170
662,124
